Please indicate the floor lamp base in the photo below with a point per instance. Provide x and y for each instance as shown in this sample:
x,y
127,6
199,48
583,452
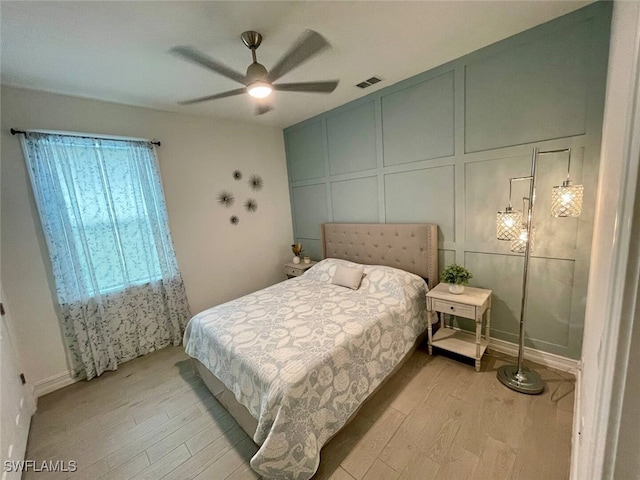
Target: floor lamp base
x,y
524,380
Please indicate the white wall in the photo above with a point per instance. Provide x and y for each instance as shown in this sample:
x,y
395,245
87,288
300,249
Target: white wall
x,y
16,400
219,261
610,255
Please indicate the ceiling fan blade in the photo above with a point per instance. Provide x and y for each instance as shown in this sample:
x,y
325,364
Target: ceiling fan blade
x,y
195,56
310,43
230,93
311,87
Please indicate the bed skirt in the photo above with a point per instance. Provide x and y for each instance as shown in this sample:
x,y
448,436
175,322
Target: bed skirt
x,y
240,413
226,398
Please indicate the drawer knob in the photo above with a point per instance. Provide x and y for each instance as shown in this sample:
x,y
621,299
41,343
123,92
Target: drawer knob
x,y
452,308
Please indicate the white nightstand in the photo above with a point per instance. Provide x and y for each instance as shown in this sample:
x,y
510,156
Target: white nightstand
x,y
472,303
296,269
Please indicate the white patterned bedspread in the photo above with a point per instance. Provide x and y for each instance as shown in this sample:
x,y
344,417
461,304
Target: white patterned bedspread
x,y
304,354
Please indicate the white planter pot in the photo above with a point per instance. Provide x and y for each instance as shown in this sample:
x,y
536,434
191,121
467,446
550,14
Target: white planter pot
x,y
296,260
456,289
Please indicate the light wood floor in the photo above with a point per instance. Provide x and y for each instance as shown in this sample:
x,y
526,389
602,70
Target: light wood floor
x,y
436,419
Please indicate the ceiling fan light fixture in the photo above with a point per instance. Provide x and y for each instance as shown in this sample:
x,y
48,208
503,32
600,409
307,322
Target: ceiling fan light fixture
x,y
259,89
257,81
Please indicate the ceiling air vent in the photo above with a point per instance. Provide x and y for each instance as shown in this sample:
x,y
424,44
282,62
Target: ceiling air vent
x,y
368,82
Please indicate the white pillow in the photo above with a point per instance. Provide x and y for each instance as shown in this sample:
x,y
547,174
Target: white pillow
x,y
349,277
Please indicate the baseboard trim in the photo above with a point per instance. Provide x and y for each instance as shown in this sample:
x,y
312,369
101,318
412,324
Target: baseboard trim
x,y
577,426
63,379
546,359
53,383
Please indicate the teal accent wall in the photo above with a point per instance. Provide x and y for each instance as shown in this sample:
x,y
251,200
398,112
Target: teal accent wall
x,y
441,146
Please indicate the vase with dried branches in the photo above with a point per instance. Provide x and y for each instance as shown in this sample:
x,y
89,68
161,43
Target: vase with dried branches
x,y
296,248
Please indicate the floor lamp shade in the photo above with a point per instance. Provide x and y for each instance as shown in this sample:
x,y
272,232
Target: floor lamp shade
x,y
566,200
508,224
520,243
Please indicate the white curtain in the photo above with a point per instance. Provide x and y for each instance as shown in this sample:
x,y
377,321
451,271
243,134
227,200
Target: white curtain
x,y
119,289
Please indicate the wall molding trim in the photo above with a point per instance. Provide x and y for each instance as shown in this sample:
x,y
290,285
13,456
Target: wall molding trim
x,y
53,383
546,359
609,451
421,179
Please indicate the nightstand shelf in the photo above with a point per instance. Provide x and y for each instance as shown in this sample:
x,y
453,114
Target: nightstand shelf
x,y
473,303
458,341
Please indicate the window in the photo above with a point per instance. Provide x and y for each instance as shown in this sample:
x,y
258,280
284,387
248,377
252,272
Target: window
x,y
120,293
102,206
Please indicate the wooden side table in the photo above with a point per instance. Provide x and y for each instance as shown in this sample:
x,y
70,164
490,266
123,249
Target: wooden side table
x,y
296,269
472,303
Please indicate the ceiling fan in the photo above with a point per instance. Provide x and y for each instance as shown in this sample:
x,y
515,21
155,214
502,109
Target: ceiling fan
x,y
258,82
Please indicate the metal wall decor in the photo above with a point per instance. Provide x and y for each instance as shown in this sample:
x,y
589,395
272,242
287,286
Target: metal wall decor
x,y
251,205
256,182
227,198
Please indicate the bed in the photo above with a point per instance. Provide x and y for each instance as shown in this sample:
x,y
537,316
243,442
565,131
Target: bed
x,y
292,363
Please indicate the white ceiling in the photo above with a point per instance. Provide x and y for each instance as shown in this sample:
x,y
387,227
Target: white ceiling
x,y
117,51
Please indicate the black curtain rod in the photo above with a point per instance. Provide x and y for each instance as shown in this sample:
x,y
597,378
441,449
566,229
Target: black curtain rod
x,y
15,132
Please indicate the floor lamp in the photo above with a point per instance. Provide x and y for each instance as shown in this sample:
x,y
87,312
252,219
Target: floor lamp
x,y
512,225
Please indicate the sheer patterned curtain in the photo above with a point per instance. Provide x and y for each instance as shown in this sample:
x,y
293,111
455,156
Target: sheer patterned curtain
x,y
119,289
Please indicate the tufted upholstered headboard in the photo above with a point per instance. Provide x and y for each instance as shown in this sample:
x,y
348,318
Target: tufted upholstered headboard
x,y
409,246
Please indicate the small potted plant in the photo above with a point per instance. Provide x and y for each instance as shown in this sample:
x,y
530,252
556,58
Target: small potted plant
x,y
457,277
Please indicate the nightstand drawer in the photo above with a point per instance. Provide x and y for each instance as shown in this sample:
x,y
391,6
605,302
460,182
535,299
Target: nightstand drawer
x,y
296,269
454,309
294,272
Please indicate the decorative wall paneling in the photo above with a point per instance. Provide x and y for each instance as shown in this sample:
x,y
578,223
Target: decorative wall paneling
x,y
441,146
